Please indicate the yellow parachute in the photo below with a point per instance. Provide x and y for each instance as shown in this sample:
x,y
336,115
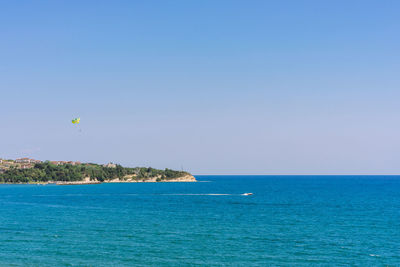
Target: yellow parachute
x,y
76,120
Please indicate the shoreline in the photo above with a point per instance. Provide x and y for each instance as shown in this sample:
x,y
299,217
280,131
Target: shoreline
x,y
87,181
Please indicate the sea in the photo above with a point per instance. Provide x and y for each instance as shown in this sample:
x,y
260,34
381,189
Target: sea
x,y
288,221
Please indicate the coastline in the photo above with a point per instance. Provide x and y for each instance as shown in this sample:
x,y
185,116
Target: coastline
x,y
129,179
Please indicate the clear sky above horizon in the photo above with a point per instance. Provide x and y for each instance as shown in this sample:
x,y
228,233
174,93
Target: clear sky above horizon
x,y
214,87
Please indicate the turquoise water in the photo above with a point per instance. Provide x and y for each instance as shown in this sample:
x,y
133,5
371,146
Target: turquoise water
x,y
289,221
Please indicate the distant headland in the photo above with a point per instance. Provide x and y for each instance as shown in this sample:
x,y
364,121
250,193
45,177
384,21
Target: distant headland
x,y
26,170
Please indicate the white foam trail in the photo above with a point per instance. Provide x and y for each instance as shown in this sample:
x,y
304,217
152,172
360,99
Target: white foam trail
x,y
196,194
79,195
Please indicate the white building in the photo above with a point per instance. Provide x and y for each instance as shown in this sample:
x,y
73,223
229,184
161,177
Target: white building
x,y
23,160
27,160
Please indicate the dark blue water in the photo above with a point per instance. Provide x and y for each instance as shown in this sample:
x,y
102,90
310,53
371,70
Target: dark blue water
x,y
289,221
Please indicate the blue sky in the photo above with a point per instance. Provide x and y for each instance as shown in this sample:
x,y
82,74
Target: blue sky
x,y
221,87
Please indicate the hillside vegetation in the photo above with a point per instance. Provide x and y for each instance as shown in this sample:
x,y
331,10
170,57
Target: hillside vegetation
x,y
48,172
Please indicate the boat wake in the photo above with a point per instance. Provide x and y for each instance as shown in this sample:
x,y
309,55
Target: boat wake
x,y
113,195
197,194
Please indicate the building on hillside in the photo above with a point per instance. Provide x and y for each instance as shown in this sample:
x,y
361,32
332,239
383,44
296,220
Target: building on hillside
x,y
27,160
23,160
26,166
110,165
73,162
